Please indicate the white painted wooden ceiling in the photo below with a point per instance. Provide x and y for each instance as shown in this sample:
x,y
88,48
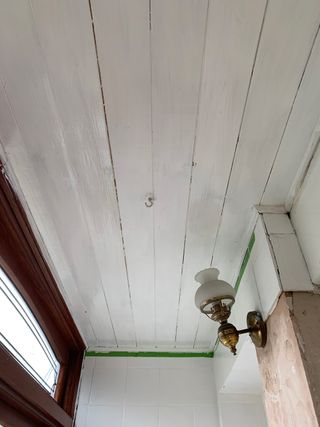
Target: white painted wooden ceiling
x,y
209,106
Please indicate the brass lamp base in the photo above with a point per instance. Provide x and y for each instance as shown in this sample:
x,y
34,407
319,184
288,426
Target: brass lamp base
x,y
257,328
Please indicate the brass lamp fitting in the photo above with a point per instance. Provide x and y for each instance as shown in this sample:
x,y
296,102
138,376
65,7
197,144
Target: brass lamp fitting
x,y
216,310
229,335
215,298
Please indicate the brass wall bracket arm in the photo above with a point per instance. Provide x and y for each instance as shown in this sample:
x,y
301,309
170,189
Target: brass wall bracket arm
x,y
245,331
257,329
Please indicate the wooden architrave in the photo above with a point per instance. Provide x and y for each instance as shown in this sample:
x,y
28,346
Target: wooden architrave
x,y
23,262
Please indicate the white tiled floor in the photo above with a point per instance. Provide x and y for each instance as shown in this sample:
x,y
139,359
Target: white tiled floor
x,y
147,392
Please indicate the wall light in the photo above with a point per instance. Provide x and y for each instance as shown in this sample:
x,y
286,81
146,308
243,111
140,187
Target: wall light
x,y
215,298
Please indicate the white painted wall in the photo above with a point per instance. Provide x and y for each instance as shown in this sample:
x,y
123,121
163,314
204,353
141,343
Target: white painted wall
x,y
147,392
244,377
242,410
277,261
305,218
240,399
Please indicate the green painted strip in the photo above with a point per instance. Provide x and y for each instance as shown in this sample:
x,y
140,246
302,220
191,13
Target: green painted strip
x,y
245,261
145,354
241,273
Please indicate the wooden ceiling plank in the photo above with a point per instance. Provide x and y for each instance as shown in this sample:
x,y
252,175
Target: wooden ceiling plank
x,y
50,77
123,44
229,57
279,67
177,43
298,134
65,40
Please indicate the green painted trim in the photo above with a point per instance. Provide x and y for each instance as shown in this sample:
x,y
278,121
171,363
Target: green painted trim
x,y
240,275
145,354
245,261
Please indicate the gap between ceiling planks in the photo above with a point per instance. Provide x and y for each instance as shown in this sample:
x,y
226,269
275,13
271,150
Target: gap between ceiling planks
x,y
191,170
239,132
123,40
113,170
177,47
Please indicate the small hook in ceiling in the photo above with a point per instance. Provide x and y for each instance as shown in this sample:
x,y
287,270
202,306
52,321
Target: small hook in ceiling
x,y
149,200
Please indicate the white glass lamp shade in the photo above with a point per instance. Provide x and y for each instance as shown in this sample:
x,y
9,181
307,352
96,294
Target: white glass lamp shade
x,y
212,288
